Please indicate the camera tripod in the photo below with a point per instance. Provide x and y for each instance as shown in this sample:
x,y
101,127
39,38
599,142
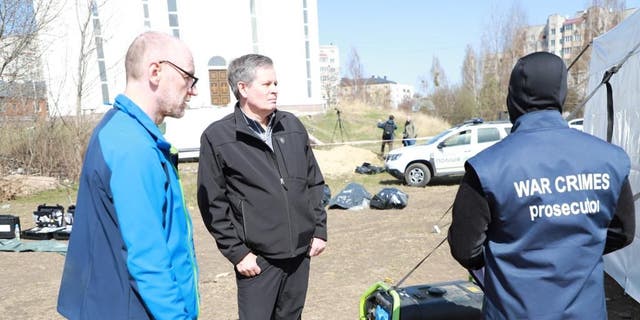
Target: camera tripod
x,y
339,125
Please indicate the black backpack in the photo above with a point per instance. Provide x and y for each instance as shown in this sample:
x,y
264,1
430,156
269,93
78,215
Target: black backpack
x,y
388,128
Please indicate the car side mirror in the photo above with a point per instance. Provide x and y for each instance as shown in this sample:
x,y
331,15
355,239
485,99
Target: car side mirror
x,y
441,145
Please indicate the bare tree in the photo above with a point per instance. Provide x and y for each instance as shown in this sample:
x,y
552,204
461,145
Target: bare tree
x,y
504,43
330,90
438,76
90,49
602,16
468,92
356,72
84,29
424,84
594,21
470,76
442,96
20,23
84,15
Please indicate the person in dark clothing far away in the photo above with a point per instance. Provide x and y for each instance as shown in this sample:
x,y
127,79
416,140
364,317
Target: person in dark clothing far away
x,y
388,133
538,209
260,194
409,133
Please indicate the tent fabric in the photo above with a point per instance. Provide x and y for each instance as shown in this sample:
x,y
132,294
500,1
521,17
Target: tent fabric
x,y
16,245
609,50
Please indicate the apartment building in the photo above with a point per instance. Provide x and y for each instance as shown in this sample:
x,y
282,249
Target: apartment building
x,y
567,36
217,31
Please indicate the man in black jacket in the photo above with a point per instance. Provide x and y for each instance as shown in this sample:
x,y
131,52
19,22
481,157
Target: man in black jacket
x,y
388,133
260,191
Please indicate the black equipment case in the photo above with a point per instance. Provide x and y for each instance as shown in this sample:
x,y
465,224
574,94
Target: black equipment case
x,y
446,300
48,219
9,226
65,233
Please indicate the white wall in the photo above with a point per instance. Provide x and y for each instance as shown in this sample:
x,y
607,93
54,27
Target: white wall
x,y
400,92
211,28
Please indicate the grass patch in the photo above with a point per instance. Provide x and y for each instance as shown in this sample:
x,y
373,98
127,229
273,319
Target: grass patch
x,y
359,123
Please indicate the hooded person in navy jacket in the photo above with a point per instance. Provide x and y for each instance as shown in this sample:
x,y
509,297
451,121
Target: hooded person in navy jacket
x,y
540,208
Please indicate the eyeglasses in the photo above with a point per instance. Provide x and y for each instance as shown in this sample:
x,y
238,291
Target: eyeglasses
x,y
194,78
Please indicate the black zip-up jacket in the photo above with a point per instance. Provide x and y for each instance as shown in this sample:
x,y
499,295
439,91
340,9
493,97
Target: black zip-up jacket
x,y
254,199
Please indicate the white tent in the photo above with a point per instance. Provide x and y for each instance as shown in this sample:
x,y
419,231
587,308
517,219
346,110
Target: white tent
x,y
619,48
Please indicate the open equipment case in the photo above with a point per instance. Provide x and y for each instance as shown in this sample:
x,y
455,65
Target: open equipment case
x,y
51,222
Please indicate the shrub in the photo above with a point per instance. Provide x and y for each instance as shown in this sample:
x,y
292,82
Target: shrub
x,y
54,147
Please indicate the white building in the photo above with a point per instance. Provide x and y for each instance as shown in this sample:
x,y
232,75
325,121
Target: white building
x,y
400,93
217,31
378,90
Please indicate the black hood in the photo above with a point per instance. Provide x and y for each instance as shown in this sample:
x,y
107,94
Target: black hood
x,y
538,82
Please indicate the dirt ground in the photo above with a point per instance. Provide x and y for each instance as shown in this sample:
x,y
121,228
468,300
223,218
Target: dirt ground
x,y
364,247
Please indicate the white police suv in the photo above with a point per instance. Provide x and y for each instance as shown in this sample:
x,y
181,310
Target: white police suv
x,y
446,153
576,124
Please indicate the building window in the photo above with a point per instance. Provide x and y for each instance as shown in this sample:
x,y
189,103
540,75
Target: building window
x,y
172,9
145,10
105,94
173,20
171,4
102,70
100,53
99,50
254,26
307,49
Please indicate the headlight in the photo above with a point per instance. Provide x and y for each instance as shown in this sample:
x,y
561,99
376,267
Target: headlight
x,y
391,157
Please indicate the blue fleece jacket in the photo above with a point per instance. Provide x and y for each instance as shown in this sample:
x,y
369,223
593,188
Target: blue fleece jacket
x,y
131,253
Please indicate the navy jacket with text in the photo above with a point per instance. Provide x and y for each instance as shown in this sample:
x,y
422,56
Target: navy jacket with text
x,y
553,192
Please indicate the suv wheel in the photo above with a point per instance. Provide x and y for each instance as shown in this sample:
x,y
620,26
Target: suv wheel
x,y
417,175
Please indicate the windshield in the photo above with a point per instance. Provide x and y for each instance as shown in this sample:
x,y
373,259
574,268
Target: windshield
x,y
437,137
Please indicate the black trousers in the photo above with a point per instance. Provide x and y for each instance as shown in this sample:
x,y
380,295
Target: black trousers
x,y
277,293
386,141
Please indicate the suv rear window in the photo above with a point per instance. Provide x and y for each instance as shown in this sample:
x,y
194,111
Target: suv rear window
x,y
463,137
488,135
